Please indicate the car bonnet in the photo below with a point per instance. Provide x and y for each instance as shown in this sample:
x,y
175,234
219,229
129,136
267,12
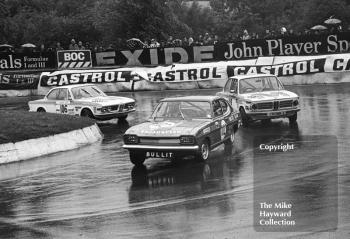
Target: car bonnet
x,y
168,128
269,95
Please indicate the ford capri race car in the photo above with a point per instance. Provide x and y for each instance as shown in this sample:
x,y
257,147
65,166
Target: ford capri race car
x,y
183,126
260,97
83,100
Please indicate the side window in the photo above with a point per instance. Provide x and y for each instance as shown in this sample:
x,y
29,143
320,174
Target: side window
x,y
224,106
227,86
53,94
70,96
233,88
217,108
63,94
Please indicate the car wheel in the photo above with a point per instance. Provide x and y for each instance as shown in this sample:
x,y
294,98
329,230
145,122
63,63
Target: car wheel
x,y
244,116
266,121
41,110
230,140
123,117
137,158
87,113
293,118
204,150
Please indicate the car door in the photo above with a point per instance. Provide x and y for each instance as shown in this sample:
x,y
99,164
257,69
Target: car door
x,y
62,101
227,121
50,101
233,94
219,123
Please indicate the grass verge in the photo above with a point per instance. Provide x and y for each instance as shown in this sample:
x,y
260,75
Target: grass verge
x,y
19,125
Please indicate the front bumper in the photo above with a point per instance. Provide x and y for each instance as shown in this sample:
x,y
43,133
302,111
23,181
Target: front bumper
x,y
112,115
160,147
254,115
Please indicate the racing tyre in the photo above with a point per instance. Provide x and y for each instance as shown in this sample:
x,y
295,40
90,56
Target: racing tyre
x,y
41,110
87,113
293,118
123,117
245,118
137,158
204,150
230,140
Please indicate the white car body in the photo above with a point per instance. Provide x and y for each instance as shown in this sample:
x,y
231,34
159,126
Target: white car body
x,y
269,103
74,100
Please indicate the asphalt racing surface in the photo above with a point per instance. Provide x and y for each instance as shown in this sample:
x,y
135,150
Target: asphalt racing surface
x,y
95,192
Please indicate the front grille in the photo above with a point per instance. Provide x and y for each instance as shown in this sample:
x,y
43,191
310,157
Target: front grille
x,y
160,141
264,106
275,105
129,106
126,107
286,103
114,107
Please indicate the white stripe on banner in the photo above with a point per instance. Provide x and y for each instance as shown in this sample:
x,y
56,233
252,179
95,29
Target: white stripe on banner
x,y
87,64
65,65
72,65
80,64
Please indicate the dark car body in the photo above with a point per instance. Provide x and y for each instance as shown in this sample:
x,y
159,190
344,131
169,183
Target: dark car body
x,y
197,129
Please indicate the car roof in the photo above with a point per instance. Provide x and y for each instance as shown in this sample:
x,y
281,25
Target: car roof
x,y
240,77
207,98
72,86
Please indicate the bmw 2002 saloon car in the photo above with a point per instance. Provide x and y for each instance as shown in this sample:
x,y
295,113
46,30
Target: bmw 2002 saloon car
x,y
183,126
83,100
260,97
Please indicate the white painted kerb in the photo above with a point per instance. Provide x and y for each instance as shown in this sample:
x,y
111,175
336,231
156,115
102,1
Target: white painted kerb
x,y
12,152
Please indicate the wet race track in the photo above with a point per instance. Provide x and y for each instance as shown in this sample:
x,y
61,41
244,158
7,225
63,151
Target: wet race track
x,y
94,192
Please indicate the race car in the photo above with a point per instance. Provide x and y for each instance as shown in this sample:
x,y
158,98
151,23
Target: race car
x,y
183,126
260,97
83,100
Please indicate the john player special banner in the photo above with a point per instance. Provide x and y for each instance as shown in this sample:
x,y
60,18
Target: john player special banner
x,y
306,45
69,77
284,69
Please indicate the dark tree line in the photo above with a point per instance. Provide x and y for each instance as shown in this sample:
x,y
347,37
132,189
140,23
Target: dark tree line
x,y
110,21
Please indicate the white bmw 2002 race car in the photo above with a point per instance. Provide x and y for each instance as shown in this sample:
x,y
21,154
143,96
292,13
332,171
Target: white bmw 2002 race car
x,y
260,97
83,100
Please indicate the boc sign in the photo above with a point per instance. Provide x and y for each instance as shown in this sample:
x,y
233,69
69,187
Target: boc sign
x,y
74,59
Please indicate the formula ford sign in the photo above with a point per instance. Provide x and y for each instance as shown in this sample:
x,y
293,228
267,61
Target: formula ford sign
x,y
69,77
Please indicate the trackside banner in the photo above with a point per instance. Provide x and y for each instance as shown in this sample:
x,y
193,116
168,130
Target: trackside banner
x,y
69,77
306,45
19,81
27,61
187,72
285,69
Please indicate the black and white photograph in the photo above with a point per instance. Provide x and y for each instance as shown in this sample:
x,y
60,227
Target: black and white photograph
x,y
174,119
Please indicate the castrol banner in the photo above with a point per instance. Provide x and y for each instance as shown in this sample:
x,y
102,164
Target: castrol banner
x,y
70,77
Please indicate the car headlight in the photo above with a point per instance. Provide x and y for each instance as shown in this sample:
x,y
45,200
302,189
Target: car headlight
x,y
295,102
187,139
254,107
131,139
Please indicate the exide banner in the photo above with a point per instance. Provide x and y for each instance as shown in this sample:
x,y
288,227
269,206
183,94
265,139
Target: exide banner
x,y
288,46
30,61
